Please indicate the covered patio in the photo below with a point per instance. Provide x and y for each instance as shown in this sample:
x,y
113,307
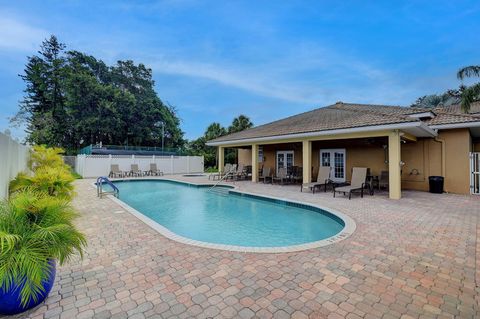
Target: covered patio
x,y
377,150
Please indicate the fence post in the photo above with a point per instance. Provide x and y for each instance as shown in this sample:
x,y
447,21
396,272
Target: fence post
x,y
188,164
133,158
171,163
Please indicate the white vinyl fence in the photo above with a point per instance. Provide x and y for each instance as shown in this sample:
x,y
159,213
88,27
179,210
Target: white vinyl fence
x,y
13,159
99,165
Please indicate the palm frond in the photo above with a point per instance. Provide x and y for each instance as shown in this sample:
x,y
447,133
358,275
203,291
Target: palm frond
x,y
8,241
34,229
469,71
470,95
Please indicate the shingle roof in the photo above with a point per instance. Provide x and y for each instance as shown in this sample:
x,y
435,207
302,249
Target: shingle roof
x,y
342,116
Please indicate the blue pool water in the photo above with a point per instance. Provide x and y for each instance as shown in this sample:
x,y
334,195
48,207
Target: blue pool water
x,y
196,213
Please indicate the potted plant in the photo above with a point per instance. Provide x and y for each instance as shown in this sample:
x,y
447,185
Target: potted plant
x,y
36,232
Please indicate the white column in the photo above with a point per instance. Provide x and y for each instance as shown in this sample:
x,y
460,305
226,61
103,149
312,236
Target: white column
x,y
255,163
307,161
394,167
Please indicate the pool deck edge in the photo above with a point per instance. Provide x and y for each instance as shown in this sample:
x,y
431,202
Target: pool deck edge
x,y
347,230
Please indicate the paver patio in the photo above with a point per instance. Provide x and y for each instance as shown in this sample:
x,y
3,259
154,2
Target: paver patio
x,y
412,258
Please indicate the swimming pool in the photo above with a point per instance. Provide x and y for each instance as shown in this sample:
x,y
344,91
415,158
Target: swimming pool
x,y
227,218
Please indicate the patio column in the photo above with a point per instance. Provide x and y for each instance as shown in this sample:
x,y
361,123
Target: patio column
x,y
254,163
394,169
221,158
307,161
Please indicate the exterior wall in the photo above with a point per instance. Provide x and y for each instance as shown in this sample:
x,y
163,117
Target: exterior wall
x,y
13,159
244,156
457,172
425,157
359,153
422,158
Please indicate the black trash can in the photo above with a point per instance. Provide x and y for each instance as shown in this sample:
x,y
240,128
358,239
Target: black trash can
x,y
436,184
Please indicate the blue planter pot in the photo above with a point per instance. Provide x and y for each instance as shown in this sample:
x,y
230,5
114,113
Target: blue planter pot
x,y
10,303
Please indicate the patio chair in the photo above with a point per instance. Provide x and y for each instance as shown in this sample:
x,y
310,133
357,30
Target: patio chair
x,y
359,176
240,173
383,180
248,171
296,174
115,171
135,171
154,170
220,172
282,176
265,174
323,178
231,173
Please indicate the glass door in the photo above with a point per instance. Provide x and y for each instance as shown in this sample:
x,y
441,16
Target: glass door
x,y
284,159
335,159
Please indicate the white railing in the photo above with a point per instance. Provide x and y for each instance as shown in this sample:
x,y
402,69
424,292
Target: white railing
x,y
13,159
99,165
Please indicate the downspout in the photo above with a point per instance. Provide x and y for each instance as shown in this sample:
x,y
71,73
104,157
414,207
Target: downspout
x,y
442,142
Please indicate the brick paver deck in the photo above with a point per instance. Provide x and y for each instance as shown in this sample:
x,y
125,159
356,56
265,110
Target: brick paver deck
x,y
412,258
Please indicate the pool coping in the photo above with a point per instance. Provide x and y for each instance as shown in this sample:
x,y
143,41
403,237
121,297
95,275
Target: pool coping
x,y
347,230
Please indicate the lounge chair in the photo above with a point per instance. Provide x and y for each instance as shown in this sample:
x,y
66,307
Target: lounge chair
x,y
383,180
359,175
323,178
296,174
115,171
154,170
221,173
240,173
265,174
231,173
282,176
135,171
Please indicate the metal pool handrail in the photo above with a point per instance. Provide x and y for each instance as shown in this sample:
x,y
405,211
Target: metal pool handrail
x,y
100,192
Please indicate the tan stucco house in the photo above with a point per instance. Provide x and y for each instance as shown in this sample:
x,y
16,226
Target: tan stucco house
x,y
410,143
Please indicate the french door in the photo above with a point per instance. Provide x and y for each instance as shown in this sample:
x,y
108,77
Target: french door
x,y
335,159
284,159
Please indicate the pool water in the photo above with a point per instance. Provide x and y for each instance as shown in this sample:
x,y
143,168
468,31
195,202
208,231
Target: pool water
x,y
197,213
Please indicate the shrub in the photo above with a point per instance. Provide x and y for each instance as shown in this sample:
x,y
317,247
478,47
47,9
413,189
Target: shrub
x,y
42,156
50,175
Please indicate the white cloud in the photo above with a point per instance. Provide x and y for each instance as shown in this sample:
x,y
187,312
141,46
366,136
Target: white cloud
x,y
248,80
18,36
341,78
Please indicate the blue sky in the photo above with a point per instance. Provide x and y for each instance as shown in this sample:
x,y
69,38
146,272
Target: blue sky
x,y
266,59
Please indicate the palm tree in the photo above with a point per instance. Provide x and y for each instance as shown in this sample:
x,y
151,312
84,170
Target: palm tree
x,y
240,123
471,93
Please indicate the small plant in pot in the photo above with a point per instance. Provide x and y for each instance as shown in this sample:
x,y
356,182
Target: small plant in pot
x,y
36,232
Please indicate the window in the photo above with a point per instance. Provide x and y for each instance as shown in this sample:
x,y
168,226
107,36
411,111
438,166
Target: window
x,y
260,154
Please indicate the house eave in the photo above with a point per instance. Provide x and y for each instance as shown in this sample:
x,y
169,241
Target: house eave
x,y
455,125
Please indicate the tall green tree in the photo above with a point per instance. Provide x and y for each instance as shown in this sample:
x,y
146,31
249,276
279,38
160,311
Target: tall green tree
x,y
471,93
43,103
73,99
215,130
